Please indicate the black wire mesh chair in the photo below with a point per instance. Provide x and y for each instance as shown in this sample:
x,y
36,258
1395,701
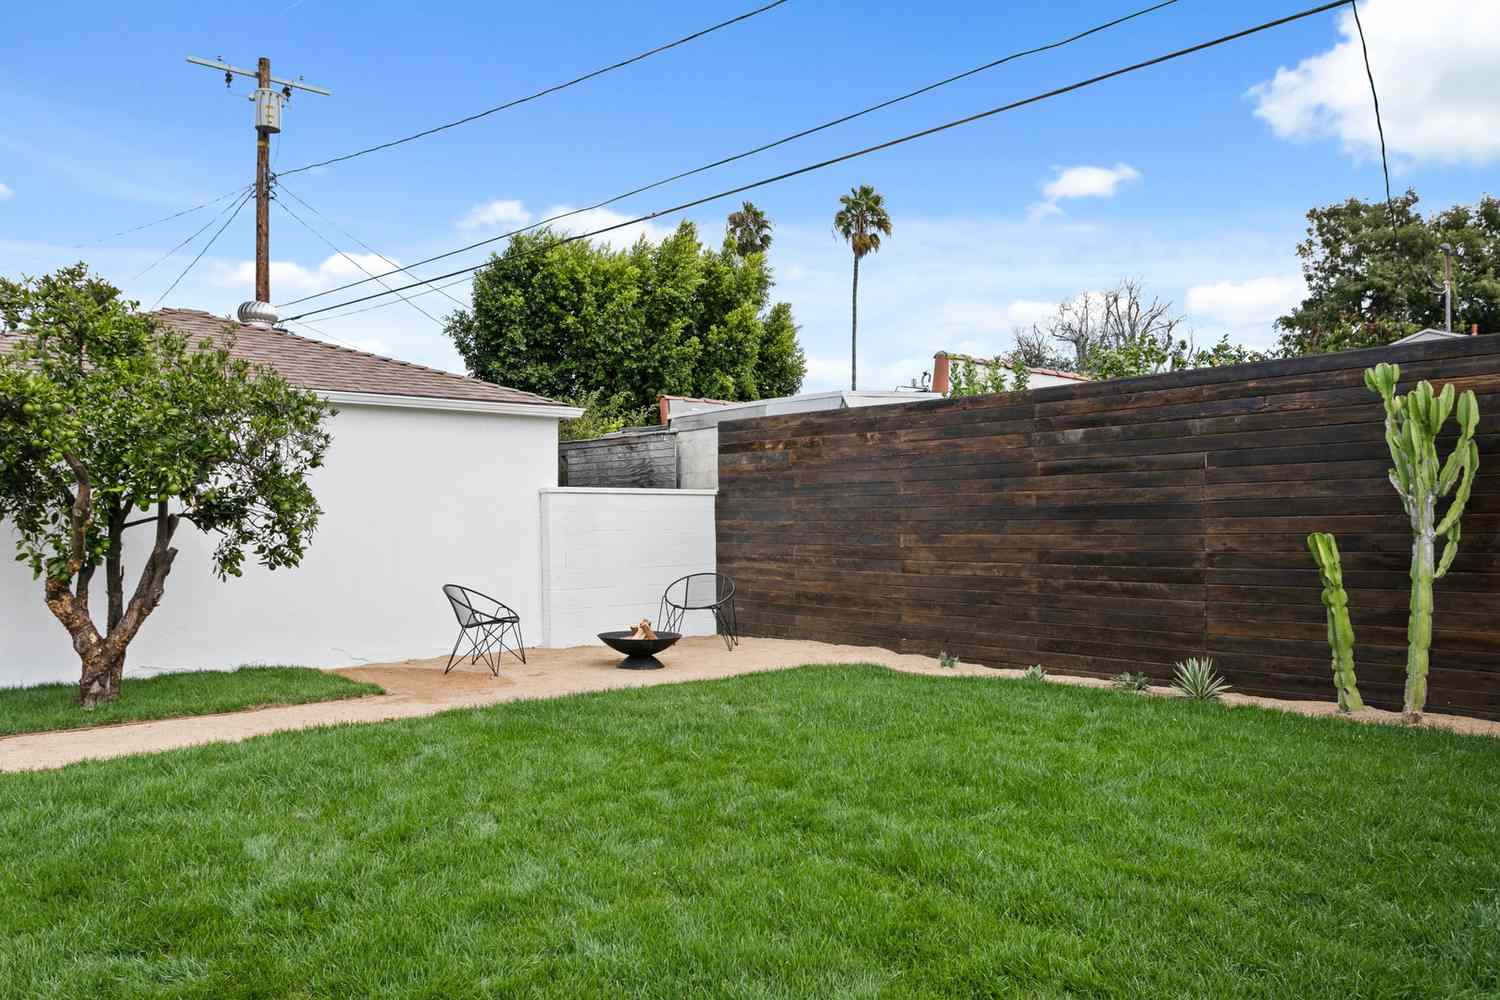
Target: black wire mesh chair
x,y
701,592
486,623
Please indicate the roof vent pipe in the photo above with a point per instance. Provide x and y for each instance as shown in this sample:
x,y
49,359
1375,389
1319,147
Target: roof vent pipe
x,y
257,314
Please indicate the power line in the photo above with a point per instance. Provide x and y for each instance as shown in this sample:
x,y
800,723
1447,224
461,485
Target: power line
x,y
382,305
760,149
175,215
542,93
196,233
348,235
212,240
910,137
1390,206
335,248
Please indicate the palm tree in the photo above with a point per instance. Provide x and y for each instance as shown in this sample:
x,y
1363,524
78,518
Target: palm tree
x,y
750,230
861,221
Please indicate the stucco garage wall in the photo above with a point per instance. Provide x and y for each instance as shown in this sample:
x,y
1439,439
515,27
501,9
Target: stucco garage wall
x,y
412,499
608,554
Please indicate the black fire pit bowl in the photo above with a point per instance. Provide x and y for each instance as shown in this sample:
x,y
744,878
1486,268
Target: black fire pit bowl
x,y
640,654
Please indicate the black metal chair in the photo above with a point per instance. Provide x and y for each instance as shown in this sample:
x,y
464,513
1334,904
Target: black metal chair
x,y
701,592
486,623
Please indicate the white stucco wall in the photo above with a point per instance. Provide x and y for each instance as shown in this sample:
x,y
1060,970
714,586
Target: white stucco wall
x,y
412,499
607,556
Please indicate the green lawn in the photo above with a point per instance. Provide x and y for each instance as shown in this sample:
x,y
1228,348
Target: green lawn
x,y
200,692
844,832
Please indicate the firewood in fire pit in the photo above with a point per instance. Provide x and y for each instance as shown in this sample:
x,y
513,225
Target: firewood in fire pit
x,y
643,630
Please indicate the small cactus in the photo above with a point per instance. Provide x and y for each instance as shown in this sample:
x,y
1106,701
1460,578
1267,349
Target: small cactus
x,y
1340,630
1412,425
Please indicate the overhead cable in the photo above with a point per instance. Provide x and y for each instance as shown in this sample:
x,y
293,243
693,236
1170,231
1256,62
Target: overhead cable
x,y
758,149
888,144
540,93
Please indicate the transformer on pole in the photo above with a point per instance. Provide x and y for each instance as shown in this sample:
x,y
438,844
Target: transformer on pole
x,y
268,105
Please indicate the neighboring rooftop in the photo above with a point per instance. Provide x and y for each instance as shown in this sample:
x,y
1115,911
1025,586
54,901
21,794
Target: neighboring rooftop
x,y
1427,334
808,402
322,367
1057,373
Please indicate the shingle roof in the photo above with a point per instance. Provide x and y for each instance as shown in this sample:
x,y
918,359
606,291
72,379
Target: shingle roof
x,y
312,364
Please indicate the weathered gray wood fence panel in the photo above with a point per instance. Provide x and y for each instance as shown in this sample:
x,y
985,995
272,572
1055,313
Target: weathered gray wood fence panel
x,y
625,461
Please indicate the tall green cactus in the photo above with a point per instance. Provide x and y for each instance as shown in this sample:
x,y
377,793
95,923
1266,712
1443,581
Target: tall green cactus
x,y
1340,630
1412,425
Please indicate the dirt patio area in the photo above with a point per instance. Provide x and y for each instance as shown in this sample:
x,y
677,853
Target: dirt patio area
x,y
419,687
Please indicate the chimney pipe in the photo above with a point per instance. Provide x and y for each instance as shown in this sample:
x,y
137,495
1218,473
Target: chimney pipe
x,y
940,373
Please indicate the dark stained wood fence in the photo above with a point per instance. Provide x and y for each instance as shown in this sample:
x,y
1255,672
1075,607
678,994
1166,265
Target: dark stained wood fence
x,y
1119,526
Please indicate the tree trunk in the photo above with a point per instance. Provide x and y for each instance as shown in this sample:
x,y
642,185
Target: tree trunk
x,y
854,330
114,575
103,656
100,683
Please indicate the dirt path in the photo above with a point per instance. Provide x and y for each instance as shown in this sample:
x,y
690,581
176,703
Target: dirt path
x,y
419,687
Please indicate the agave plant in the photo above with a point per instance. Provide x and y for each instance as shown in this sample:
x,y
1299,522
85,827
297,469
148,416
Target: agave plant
x,y
1131,681
1035,672
1197,680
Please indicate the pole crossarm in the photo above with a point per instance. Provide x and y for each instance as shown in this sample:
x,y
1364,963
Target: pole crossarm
x,y
237,71
268,105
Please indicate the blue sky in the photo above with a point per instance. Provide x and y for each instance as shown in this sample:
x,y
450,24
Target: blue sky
x,y
1193,177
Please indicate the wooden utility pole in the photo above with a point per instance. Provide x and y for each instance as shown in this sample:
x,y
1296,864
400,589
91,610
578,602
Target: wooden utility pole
x,y
263,192
268,105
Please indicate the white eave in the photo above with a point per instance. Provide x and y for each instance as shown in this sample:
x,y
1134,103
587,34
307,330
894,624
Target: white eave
x,y
551,411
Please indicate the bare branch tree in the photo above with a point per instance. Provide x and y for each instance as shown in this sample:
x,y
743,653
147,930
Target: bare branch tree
x,y
1034,349
1093,322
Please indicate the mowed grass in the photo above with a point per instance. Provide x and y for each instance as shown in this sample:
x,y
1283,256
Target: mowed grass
x,y
47,707
824,832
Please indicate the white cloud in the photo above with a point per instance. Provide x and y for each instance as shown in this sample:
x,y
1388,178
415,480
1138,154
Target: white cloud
x,y
1089,182
977,318
289,278
826,373
1040,210
1435,68
1245,303
500,212
1080,182
6,192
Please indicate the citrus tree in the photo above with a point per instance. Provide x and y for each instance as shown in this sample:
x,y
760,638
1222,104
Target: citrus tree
x,y
112,424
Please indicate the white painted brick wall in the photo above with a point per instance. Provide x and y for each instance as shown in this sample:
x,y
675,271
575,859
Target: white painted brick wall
x,y
607,555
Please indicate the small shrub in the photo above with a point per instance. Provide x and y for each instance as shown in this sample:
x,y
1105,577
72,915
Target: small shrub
x,y
947,660
1198,681
1131,681
1035,672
